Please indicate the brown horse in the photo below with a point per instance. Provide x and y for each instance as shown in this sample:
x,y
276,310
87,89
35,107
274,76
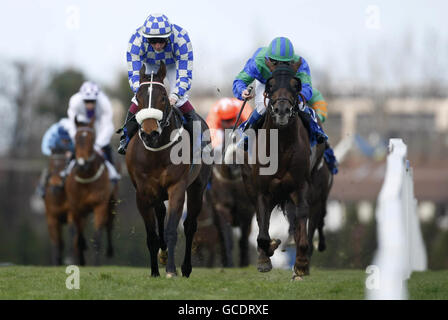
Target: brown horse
x,y
56,205
228,195
88,189
157,178
292,180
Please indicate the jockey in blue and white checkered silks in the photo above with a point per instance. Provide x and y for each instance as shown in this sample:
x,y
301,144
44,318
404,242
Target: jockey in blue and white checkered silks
x,y
280,50
156,41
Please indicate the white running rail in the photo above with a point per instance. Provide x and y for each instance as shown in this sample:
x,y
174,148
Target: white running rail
x,y
400,243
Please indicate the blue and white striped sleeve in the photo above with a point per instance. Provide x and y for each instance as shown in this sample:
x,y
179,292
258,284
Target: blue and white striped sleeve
x,y
183,52
134,57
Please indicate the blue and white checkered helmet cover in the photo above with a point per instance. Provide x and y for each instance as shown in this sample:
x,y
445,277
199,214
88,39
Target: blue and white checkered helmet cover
x,y
156,26
89,90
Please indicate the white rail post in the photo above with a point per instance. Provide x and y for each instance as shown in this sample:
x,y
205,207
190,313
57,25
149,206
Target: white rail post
x,y
400,243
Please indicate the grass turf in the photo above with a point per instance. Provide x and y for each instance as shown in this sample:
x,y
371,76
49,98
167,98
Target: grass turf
x,y
111,282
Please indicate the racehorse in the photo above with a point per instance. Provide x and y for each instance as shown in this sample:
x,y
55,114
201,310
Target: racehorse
x,y
156,178
56,205
88,189
296,161
228,197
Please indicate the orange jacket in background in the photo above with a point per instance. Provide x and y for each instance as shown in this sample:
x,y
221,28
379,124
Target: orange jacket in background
x,y
225,109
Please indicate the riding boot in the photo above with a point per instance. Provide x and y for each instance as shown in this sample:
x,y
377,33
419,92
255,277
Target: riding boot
x,y
313,127
129,129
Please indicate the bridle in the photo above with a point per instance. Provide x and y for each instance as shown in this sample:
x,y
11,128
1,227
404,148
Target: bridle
x,y
283,71
88,161
165,121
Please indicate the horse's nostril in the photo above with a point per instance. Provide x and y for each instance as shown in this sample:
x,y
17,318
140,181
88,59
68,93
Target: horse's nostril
x,y
276,109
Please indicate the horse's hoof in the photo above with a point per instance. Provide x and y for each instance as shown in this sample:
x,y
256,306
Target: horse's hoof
x,y
163,256
155,274
170,275
301,271
186,271
296,277
264,266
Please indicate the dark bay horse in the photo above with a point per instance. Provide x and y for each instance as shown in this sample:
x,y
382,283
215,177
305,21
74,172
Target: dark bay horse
x,y
56,205
228,198
296,161
88,189
157,178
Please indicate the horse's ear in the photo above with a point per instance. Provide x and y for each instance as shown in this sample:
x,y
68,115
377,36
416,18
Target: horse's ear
x,y
161,73
76,121
142,71
296,65
92,122
269,64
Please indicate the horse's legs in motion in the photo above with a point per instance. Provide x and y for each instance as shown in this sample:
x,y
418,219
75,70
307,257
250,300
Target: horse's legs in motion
x,y
301,266
194,206
320,225
109,226
149,217
79,241
176,198
55,230
101,218
266,246
244,242
225,234
160,214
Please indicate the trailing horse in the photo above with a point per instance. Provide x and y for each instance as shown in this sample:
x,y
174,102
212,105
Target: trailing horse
x,y
156,178
296,162
88,189
56,205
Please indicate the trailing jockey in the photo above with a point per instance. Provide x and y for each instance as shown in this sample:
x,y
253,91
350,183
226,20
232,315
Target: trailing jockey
x,y
55,140
156,41
223,115
90,103
279,51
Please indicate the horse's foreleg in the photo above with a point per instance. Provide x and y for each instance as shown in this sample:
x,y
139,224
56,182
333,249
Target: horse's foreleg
x,y
79,244
160,214
152,241
194,205
244,243
55,231
320,226
300,199
109,226
225,234
176,198
101,218
266,246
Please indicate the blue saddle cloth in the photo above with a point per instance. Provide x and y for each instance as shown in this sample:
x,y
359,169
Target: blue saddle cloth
x,y
330,159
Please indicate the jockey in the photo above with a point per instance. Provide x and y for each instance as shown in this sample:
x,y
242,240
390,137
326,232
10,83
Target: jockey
x,y
279,51
156,41
55,140
223,116
91,103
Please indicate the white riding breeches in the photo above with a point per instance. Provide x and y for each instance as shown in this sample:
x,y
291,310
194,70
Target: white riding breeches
x,y
259,97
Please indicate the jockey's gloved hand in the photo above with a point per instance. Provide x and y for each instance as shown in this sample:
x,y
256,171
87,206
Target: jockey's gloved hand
x,y
247,94
173,99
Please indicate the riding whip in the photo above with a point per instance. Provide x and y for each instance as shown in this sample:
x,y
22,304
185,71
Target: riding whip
x,y
241,110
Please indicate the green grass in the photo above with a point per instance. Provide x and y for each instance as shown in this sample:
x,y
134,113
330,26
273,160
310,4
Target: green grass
x,y
109,282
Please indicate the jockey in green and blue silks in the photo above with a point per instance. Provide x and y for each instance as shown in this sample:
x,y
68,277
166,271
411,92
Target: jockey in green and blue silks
x,y
280,50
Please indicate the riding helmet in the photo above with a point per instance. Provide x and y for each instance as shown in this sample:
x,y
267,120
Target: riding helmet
x,y
156,26
281,49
